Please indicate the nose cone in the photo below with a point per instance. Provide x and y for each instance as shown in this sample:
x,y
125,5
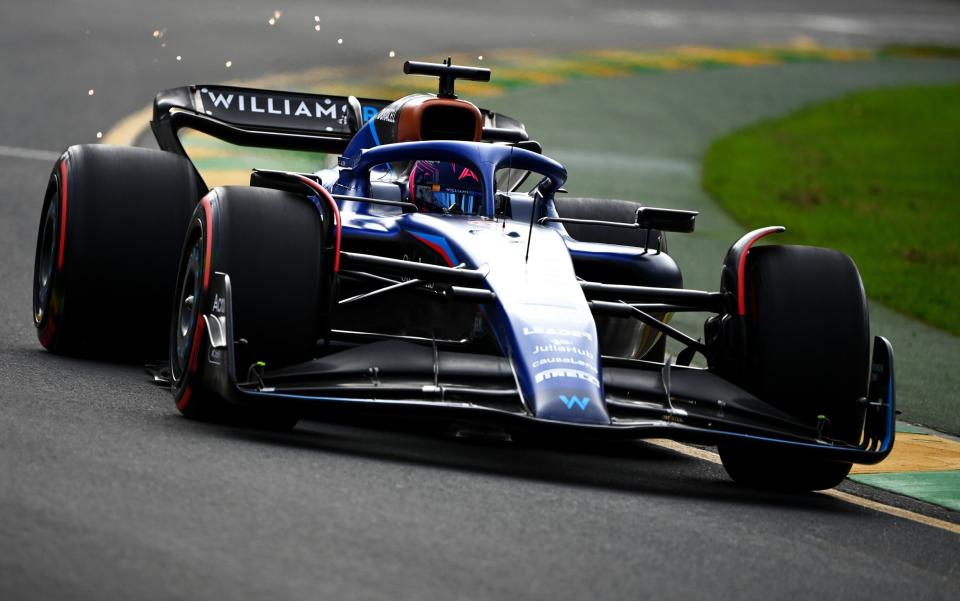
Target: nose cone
x,y
542,318
558,364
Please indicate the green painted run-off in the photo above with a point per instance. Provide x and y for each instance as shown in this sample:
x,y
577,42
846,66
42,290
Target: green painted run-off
x,y
939,488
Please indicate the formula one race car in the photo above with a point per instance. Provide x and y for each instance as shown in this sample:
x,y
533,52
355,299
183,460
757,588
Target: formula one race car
x,y
438,272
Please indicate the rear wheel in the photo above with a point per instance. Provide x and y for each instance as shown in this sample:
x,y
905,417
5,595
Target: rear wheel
x,y
270,244
606,209
807,352
110,231
619,336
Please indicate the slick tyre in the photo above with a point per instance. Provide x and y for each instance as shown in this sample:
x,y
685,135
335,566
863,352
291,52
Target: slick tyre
x,y
778,470
270,245
110,232
807,352
606,209
621,337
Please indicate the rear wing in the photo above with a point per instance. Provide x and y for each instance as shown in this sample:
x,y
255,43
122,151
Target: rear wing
x,y
286,120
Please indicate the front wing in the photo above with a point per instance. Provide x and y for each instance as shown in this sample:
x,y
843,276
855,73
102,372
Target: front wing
x,y
417,380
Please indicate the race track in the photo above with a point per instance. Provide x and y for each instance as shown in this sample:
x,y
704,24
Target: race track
x,y
106,492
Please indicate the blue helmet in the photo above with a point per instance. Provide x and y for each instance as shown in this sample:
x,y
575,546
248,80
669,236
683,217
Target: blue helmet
x,y
445,187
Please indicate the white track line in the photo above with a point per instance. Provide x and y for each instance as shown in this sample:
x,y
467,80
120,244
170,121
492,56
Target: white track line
x,y
28,153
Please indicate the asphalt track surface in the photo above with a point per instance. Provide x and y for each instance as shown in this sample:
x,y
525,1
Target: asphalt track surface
x,y
105,492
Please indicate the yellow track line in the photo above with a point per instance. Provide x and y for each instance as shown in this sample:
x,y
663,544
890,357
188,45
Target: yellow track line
x,y
126,131
917,453
847,497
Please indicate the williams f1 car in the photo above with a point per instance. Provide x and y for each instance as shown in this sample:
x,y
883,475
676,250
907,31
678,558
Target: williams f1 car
x,y
438,271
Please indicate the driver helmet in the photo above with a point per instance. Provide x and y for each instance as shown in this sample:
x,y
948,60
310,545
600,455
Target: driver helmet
x,y
445,187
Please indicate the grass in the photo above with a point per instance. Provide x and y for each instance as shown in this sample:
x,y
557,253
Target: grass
x,y
223,164
920,51
875,174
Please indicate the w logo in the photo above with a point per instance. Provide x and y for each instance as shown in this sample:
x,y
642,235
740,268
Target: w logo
x,y
574,400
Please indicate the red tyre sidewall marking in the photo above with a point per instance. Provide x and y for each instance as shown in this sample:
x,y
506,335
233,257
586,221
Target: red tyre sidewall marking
x,y
208,213
336,217
63,212
195,349
742,268
184,400
49,328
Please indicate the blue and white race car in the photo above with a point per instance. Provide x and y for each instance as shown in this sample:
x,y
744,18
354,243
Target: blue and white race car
x,y
440,273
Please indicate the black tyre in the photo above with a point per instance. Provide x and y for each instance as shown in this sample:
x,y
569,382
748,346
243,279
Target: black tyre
x,y
110,233
270,244
605,209
778,470
807,352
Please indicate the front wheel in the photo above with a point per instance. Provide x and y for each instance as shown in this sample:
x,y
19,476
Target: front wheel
x,y
807,352
271,246
779,470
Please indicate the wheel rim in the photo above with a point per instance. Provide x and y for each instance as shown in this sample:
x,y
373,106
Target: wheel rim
x,y
188,311
46,253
